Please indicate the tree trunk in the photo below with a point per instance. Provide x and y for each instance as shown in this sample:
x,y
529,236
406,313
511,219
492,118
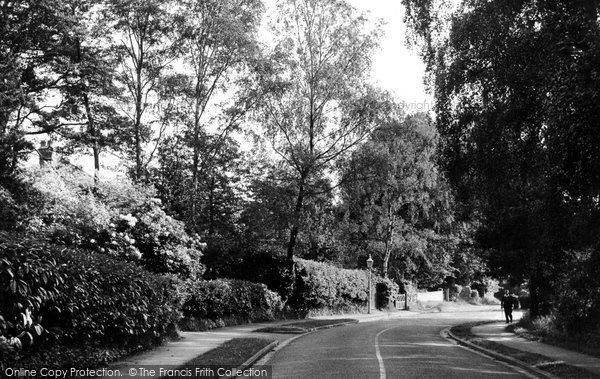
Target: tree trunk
x,y
93,132
139,109
386,260
211,207
138,138
5,156
296,221
388,240
196,147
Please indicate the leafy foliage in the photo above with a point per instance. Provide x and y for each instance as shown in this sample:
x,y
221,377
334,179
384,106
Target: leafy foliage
x,y
578,295
30,45
318,104
269,214
53,295
210,202
268,267
323,286
397,204
117,218
515,87
214,302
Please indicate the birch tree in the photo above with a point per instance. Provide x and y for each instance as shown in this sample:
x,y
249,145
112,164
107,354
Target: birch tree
x,y
319,104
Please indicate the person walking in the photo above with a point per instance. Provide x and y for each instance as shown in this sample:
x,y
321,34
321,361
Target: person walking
x,y
507,303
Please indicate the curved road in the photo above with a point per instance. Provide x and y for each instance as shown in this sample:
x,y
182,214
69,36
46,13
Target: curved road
x,y
400,348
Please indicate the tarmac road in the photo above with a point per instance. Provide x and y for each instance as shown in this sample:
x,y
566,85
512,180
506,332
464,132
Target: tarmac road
x,y
400,348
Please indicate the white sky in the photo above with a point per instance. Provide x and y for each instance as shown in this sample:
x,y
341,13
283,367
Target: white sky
x,y
396,67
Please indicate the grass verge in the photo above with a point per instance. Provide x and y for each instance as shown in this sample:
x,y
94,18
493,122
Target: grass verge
x,y
303,326
230,355
586,343
559,369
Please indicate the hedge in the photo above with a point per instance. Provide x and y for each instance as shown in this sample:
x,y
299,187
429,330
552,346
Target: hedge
x,y
59,296
322,286
215,303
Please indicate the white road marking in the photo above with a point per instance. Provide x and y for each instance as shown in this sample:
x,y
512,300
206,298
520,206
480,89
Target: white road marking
x,y
378,352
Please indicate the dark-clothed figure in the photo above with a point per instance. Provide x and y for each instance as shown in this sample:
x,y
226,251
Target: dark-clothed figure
x,y
508,302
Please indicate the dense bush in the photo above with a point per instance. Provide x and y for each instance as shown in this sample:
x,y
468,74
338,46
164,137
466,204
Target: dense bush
x,y
113,217
578,292
52,295
215,303
266,267
315,285
524,301
28,282
18,202
321,286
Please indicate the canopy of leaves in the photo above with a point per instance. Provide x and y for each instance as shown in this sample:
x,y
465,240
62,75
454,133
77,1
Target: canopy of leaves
x,y
398,206
516,87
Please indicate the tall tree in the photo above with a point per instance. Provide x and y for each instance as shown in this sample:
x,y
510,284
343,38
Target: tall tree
x,y
516,87
145,51
30,36
89,90
218,37
218,40
394,194
318,104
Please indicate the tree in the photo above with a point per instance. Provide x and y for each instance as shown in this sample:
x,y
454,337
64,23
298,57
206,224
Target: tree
x,y
30,36
218,44
516,87
318,105
396,200
88,87
268,214
217,195
218,37
145,52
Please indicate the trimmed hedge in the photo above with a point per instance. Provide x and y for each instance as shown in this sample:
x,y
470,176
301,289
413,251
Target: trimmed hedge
x,y
321,286
58,296
215,303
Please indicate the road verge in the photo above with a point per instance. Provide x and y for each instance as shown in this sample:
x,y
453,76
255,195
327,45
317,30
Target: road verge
x,y
306,326
535,364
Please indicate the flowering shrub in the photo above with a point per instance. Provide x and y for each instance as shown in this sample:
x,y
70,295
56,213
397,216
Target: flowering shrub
x,y
219,301
117,218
